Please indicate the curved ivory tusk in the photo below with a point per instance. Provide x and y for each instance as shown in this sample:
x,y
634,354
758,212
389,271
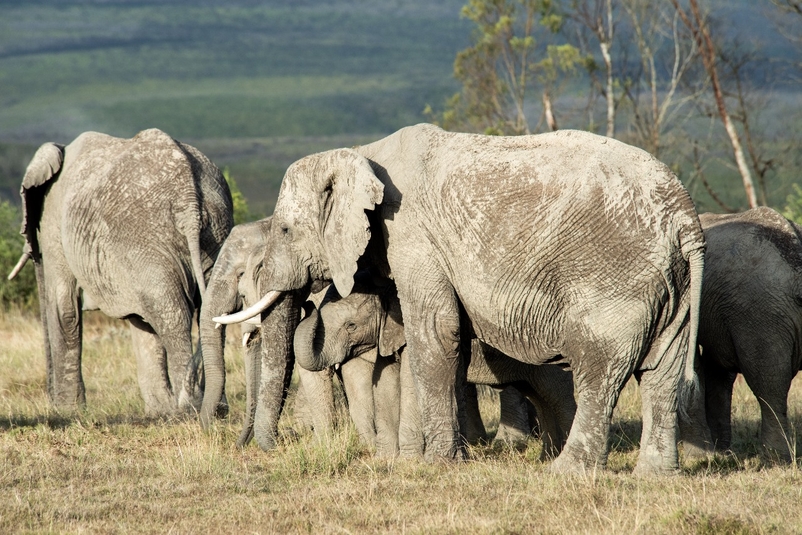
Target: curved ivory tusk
x,y
22,261
251,311
245,338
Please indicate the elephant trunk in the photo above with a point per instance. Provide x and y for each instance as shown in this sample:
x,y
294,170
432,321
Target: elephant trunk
x,y
277,360
309,344
253,373
221,296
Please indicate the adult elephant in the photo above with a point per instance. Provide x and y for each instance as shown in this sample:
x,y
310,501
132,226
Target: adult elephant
x,y
131,227
233,284
565,246
369,320
751,323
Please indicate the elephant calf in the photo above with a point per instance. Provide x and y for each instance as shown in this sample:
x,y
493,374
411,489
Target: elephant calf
x,y
369,319
131,227
750,322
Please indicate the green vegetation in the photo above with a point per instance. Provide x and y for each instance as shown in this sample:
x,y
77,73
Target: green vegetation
x,y
241,212
21,291
793,206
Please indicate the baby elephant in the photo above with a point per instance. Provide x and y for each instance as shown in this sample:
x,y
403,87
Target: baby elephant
x,y
369,320
750,322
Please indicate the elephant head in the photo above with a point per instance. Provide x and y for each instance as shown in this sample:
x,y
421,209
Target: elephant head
x,y
236,282
343,328
232,285
318,233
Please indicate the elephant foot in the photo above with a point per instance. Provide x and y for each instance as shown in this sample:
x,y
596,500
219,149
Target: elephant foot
x,y
651,461
651,470
511,437
565,463
445,455
696,452
771,455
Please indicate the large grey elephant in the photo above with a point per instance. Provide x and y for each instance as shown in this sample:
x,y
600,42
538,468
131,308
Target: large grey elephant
x,y
131,227
233,284
751,323
562,247
369,319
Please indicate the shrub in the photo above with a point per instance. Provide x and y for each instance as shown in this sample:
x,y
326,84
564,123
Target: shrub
x,y
20,292
793,205
241,212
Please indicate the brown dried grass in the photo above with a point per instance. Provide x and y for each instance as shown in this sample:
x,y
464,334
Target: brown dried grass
x,y
110,469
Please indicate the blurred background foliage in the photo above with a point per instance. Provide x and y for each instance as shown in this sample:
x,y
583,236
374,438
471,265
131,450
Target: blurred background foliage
x,y
257,85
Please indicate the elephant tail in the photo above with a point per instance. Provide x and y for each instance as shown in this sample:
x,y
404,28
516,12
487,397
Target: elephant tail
x,y
691,388
193,240
188,221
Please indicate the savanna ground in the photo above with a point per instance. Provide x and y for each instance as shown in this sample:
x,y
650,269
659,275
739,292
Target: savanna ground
x,y
111,469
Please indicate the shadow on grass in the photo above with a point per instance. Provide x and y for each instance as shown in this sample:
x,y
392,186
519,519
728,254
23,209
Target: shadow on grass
x,y
62,421
625,435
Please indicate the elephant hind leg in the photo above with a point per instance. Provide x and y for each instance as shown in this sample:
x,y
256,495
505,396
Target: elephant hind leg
x,y
174,332
660,385
151,368
64,333
603,356
768,372
513,427
718,403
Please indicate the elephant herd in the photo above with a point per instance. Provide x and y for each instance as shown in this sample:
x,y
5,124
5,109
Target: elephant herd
x,y
418,266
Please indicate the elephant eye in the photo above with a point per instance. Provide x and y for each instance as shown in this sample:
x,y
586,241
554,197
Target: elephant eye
x,y
350,326
285,229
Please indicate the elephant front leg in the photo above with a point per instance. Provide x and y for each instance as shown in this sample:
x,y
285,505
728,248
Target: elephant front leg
x,y
387,405
357,376
433,350
64,333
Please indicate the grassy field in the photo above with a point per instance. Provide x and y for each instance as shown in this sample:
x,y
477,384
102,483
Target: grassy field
x,y
111,469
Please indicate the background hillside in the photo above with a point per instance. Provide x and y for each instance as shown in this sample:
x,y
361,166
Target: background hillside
x,y
255,85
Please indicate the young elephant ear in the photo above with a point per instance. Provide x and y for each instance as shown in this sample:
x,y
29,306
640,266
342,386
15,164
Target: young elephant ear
x,y
391,333
350,187
44,166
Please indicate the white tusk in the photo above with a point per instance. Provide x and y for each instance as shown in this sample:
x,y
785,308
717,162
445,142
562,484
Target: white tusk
x,y
251,311
218,325
337,366
22,261
245,338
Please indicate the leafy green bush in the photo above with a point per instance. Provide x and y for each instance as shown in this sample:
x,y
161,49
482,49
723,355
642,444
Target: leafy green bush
x,y
241,212
793,205
21,291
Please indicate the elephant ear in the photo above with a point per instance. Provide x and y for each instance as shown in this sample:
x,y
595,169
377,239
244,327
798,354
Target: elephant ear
x,y
349,188
44,166
391,333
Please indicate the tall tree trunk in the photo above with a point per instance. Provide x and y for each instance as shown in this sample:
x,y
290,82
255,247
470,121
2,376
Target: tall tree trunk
x,y
701,34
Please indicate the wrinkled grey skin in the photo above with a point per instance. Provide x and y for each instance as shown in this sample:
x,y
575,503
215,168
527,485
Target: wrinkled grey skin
x,y
564,247
233,284
367,320
132,227
751,323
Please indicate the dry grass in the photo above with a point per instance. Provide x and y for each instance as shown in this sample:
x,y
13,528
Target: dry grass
x,y
110,469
